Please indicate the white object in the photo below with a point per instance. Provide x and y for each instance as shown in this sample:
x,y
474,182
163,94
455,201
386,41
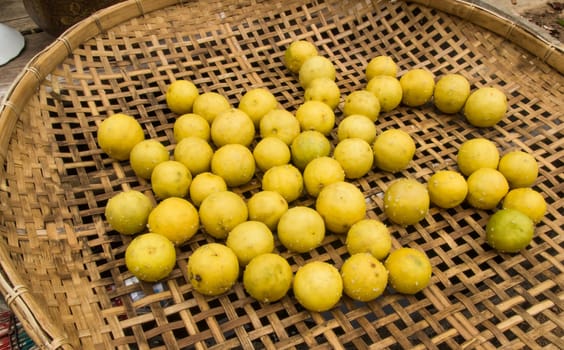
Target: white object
x,y
11,43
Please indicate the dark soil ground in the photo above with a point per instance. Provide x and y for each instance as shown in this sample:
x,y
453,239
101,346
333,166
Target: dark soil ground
x,y
549,17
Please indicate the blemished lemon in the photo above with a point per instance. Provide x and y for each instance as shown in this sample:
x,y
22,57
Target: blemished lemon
x,y
369,236
209,104
175,218
171,179
387,89
250,239
509,230
118,134
527,201
271,151
280,123
316,67
284,179
519,168
321,172
355,156
191,125
341,204
145,156
296,54
486,188
316,115
127,212
477,153
485,107
268,277
221,211
150,257
204,184
195,153
451,92
267,207
323,90
234,163
318,286
447,188
308,145
362,102
213,269
417,87
256,103
356,126
232,126
381,65
301,229
180,96
364,277
406,201
409,270
393,150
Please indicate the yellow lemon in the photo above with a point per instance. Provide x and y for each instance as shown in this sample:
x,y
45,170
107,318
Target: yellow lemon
x,y
323,90
127,212
256,103
316,115
527,201
234,163
150,257
447,188
381,65
369,236
409,270
301,229
356,126
195,153
355,156
477,153
280,123
485,107
341,204
362,102
175,218
145,156
232,126
509,230
250,239
519,168
308,145
451,92
268,277
209,104
204,184
320,172
271,151
316,67
406,201
171,179
221,211
213,269
180,96
191,125
284,179
393,150
364,277
118,134
267,207
296,54
318,286
387,89
486,188
417,87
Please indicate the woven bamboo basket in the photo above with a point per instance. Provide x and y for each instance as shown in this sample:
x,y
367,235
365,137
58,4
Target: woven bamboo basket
x,y
63,270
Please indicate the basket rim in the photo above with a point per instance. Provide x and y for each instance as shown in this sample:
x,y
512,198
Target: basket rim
x,y
25,306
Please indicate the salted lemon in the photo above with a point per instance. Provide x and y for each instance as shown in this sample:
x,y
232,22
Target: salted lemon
x,y
175,218
150,257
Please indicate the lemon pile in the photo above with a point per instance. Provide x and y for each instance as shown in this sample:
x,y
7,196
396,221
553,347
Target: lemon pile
x,y
219,148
